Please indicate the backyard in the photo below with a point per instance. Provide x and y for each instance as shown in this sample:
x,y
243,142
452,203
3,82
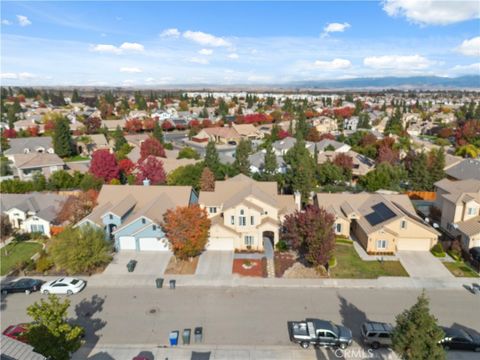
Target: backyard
x,y
17,253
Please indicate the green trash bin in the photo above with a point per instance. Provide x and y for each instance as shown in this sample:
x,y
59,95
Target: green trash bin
x,y
186,336
131,265
159,283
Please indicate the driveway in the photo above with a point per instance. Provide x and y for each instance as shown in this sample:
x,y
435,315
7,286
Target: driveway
x,y
215,263
148,262
422,264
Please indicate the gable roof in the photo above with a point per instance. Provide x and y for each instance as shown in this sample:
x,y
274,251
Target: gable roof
x,y
466,169
44,205
35,160
462,190
18,145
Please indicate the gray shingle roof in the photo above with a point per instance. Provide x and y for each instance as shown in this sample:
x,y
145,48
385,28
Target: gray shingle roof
x,y
12,349
18,146
467,169
44,205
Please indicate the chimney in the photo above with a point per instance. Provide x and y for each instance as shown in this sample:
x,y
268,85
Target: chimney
x,y
298,200
146,182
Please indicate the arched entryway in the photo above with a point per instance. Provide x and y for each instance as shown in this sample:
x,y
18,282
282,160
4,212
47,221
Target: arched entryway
x,y
268,243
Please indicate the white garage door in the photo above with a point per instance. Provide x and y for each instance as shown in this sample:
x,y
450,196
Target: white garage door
x,y
220,243
153,244
127,243
413,244
475,243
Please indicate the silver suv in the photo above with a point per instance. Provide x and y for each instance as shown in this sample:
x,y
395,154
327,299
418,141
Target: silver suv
x,y
376,334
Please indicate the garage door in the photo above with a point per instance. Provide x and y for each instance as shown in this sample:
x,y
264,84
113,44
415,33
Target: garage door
x,y
127,243
475,243
217,243
413,244
153,244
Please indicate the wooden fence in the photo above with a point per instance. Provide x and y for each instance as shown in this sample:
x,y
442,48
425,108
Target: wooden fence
x,y
422,195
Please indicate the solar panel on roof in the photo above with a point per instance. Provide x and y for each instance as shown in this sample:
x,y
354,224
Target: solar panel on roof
x,y
380,214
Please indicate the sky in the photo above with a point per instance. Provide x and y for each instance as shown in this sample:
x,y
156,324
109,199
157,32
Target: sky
x,y
247,42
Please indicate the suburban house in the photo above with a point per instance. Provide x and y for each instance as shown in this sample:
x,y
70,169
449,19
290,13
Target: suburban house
x,y
466,169
25,165
361,164
332,145
131,215
87,144
33,212
245,212
111,125
325,124
382,224
459,202
248,131
257,162
29,145
220,135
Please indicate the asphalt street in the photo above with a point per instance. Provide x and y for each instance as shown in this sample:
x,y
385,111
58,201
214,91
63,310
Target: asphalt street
x,y
236,316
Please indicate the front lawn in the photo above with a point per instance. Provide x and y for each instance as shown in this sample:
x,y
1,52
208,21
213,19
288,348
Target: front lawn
x,y
351,266
76,158
460,269
17,253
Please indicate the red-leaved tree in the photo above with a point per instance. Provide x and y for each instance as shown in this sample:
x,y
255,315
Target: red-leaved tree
x,y
92,124
148,124
311,233
151,146
32,131
187,229
344,161
133,126
167,126
126,166
104,165
152,169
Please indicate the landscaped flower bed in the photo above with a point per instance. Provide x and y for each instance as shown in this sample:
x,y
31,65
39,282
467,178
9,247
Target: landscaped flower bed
x,y
283,261
253,267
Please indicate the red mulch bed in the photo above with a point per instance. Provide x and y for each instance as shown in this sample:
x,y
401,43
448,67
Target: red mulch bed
x,y
283,261
258,268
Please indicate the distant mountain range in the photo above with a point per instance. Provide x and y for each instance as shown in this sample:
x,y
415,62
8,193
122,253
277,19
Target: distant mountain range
x,y
412,82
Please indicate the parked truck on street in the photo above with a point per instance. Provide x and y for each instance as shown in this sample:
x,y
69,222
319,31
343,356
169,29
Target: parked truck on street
x,y
319,333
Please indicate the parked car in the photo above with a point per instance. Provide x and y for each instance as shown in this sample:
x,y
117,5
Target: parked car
x,y
475,252
26,285
459,339
17,332
66,285
319,333
376,334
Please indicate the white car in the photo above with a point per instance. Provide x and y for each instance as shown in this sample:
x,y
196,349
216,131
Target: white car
x,y
65,285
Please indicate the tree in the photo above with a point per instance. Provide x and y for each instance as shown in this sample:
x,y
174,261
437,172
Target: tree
x,y
158,132
269,163
387,154
126,166
187,229
59,180
5,227
328,173
207,180
311,233
152,169
417,334
385,176
301,130
188,153
313,134
133,126
151,147
119,139
104,165
212,160
301,171
344,162
418,172
62,140
90,182
75,97
75,208
186,175
5,169
80,250
92,124
242,163
51,333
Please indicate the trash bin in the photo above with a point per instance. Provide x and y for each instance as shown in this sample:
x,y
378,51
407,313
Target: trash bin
x,y
173,338
159,283
172,284
131,265
186,336
198,334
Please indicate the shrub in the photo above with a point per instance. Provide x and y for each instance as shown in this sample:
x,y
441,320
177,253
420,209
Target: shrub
x,y
282,246
22,237
44,263
438,251
168,146
455,255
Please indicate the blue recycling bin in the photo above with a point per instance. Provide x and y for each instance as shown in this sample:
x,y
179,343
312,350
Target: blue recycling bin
x,y
173,338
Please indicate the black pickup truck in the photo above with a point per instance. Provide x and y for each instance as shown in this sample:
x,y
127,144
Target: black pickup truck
x,y
319,333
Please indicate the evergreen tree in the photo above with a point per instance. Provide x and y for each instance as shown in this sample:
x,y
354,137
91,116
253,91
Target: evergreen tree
x,y
419,174
212,160
242,163
302,127
11,117
16,106
119,139
75,97
62,140
158,132
437,164
269,163
417,334
301,172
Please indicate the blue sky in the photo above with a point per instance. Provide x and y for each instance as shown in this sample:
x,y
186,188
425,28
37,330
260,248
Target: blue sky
x,y
158,43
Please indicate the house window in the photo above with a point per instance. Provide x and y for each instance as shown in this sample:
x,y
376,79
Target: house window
x,y
154,227
252,220
144,221
249,240
110,217
242,220
338,228
212,210
471,211
382,244
37,228
403,224
232,220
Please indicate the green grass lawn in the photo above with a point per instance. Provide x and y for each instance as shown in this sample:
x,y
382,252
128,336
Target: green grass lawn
x,y
351,266
76,158
460,269
17,252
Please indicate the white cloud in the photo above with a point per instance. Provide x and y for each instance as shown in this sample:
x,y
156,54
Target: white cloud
x,y
23,20
172,32
470,47
205,39
206,52
112,49
8,76
198,60
335,64
233,56
335,27
6,22
467,69
21,76
398,62
433,12
149,80
130,70
259,78
26,75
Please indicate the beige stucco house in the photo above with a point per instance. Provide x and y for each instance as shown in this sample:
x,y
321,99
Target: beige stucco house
x,y
382,224
459,202
244,212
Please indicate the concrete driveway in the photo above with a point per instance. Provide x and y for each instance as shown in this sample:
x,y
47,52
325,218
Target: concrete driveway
x,y
148,262
422,264
215,263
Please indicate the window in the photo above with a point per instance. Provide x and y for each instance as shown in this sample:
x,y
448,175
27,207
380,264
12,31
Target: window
x,y
252,220
242,220
372,334
403,224
212,210
154,227
110,216
384,335
249,240
330,335
471,211
144,221
338,228
321,334
382,244
37,228
242,212
232,220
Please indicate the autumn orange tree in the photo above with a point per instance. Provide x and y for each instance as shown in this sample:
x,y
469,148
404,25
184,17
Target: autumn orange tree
x,y
187,229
